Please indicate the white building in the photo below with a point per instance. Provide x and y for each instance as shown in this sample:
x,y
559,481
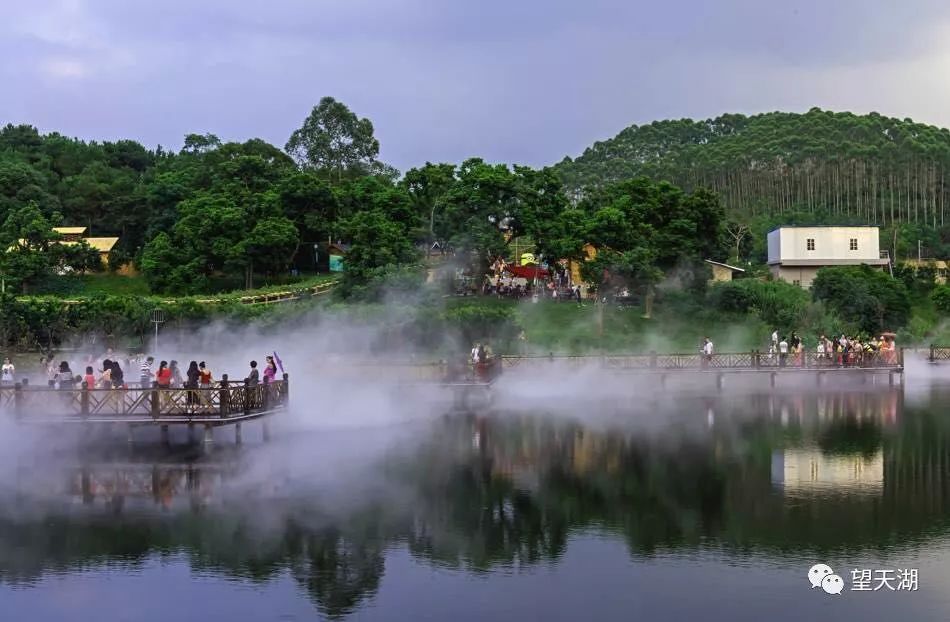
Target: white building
x,y
797,253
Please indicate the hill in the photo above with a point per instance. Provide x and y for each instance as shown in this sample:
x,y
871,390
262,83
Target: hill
x,y
861,168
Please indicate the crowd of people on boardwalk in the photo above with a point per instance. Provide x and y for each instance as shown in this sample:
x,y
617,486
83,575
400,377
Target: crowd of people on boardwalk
x,y
841,351
113,371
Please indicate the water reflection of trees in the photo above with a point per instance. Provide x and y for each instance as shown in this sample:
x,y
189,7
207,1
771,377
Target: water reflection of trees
x,y
503,491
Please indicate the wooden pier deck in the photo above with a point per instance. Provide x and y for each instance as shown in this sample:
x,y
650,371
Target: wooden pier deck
x,y
224,404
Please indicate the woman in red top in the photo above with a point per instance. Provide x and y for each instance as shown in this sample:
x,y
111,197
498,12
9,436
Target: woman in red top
x,y
89,379
164,375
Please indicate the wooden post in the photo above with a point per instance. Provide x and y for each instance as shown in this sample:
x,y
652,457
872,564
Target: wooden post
x,y
931,357
224,397
18,400
156,401
286,400
84,401
247,397
265,397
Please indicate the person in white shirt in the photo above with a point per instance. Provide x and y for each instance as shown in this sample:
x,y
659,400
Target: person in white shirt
x,y
707,351
775,338
7,373
782,352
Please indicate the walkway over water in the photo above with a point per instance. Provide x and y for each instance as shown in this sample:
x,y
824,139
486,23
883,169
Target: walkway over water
x,y
740,361
465,378
224,403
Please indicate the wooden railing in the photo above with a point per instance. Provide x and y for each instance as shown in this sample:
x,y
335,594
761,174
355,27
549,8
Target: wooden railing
x,y
939,353
889,359
225,401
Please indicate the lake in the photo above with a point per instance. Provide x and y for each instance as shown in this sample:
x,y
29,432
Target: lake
x,y
711,506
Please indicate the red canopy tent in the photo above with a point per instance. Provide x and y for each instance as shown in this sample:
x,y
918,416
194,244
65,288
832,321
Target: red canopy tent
x,y
527,272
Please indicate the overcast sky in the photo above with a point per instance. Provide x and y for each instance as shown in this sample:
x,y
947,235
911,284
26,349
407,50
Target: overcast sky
x,y
526,81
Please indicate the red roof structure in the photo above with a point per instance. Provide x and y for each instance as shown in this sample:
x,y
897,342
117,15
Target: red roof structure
x,y
527,272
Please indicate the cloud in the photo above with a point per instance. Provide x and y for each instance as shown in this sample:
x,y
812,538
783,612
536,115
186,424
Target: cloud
x,y
526,81
63,68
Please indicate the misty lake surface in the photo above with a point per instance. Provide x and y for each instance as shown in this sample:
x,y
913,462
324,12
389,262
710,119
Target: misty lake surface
x,y
700,506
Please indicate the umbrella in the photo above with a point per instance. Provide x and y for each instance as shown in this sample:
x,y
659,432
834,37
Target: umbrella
x,y
279,362
889,335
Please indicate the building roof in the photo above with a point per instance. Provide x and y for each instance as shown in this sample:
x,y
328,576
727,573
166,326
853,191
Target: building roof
x,y
103,245
794,263
724,265
824,227
70,230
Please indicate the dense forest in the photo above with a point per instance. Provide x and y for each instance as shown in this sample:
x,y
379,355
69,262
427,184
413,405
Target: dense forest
x,y
218,210
864,168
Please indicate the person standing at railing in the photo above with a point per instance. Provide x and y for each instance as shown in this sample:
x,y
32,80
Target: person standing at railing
x,y
145,372
90,378
782,352
204,382
177,380
707,351
270,370
7,373
105,376
64,377
192,382
118,376
254,377
163,376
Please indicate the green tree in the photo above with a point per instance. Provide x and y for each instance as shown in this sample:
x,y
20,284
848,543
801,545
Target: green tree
x,y
427,186
379,248
333,139
270,246
868,299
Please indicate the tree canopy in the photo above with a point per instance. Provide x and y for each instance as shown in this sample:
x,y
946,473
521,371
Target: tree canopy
x,y
866,168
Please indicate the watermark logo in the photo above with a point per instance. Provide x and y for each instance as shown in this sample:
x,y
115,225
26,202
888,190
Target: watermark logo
x,y
864,579
821,575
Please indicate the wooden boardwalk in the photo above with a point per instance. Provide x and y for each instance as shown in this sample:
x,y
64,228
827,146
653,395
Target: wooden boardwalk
x,y
224,404
891,360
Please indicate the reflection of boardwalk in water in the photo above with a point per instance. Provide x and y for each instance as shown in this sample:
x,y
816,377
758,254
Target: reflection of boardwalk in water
x,y
165,486
511,490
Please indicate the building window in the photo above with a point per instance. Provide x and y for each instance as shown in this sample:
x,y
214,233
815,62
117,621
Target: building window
x,y
854,244
810,244
797,282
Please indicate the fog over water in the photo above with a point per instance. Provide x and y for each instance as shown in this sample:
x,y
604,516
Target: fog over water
x,y
573,494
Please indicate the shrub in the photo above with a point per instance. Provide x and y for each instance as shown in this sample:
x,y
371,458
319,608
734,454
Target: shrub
x,y
868,299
